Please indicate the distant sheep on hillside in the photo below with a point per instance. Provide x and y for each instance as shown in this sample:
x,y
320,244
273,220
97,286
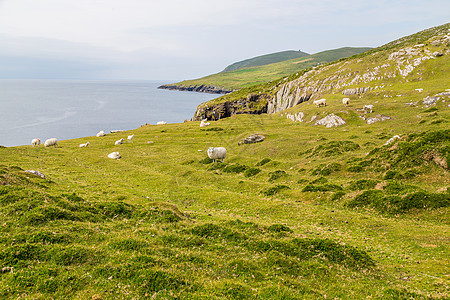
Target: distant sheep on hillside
x,y
161,123
217,153
101,133
130,138
36,142
203,123
114,155
118,142
346,101
51,142
84,145
368,108
320,102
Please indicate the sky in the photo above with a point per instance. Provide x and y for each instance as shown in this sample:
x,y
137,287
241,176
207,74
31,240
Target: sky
x,y
187,39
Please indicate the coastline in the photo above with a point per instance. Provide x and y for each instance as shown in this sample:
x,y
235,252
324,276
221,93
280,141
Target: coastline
x,y
210,89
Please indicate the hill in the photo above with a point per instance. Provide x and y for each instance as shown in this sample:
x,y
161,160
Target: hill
x,y
310,212
265,60
225,82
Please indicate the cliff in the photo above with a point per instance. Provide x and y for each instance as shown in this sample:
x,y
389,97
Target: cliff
x,y
212,89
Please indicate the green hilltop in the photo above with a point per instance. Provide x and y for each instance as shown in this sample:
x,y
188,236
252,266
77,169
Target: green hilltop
x,y
354,211
260,70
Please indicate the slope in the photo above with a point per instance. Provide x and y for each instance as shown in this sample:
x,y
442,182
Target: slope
x,y
311,212
227,81
265,60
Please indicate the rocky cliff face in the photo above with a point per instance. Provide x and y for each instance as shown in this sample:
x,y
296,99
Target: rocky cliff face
x,y
212,89
252,104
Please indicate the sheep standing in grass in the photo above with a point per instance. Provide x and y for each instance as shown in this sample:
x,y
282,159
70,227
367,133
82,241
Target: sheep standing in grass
x,y
51,142
161,123
368,108
130,138
84,145
36,142
320,102
101,133
346,101
119,142
217,153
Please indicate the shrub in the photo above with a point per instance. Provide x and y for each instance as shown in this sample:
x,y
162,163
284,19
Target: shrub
x,y
264,161
279,228
320,180
325,170
335,148
251,172
276,189
234,168
276,175
321,188
355,168
205,161
337,196
362,184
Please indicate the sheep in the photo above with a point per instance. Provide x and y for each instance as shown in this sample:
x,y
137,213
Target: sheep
x,y
130,138
217,153
368,107
346,101
36,142
161,123
114,155
118,142
101,133
203,123
84,145
320,102
51,142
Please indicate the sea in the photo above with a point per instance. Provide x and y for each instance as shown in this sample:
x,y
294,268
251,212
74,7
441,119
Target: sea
x,y
67,109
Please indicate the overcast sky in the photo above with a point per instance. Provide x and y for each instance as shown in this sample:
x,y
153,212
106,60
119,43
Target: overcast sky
x,y
186,39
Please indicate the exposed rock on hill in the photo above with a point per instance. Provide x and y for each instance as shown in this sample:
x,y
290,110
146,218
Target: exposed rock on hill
x,y
331,121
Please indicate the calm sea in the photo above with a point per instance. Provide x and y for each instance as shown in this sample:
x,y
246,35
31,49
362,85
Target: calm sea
x,y
68,109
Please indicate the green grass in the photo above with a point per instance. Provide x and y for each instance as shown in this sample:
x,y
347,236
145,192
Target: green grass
x,y
260,72
310,212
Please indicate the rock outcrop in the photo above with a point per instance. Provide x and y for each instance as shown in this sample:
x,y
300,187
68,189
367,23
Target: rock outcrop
x,y
331,121
212,89
254,138
253,104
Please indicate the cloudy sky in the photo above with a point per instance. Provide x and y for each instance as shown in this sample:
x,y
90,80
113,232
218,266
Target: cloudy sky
x,y
185,39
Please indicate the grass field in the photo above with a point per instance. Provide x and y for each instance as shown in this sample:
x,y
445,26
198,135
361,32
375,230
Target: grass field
x,y
309,213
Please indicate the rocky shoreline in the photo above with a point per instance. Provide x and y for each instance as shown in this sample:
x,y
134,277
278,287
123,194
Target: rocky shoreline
x,y
212,89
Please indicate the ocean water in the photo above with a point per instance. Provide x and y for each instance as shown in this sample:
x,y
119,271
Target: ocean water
x,y
68,109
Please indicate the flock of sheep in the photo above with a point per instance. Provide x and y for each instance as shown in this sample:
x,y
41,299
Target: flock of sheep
x,y
346,101
218,153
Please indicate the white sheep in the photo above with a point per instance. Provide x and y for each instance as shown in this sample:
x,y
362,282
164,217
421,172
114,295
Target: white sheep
x,y
346,101
51,142
203,123
320,102
101,133
84,145
217,153
161,123
35,142
118,142
130,138
114,155
368,107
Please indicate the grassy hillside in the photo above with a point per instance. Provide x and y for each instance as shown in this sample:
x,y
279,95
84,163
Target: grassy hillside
x,y
309,213
265,60
251,76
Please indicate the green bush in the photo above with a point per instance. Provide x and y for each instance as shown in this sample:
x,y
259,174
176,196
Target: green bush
x,y
276,175
355,169
320,180
276,189
251,172
235,168
326,169
362,184
334,148
321,188
337,196
264,161
279,228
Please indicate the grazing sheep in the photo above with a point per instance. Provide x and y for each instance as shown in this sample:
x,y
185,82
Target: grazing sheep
x,y
35,142
115,131
320,102
161,123
368,107
346,101
51,142
203,123
84,145
130,138
217,153
114,155
101,133
119,142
